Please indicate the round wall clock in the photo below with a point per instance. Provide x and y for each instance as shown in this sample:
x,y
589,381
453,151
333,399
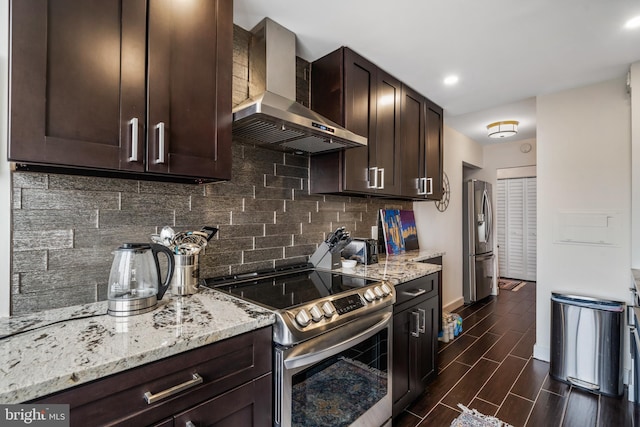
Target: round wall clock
x,y
443,203
525,148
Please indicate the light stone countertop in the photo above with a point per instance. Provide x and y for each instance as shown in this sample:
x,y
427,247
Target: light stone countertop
x,y
49,351
46,352
397,268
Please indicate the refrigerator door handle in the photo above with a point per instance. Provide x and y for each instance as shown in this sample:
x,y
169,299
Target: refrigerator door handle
x,y
490,217
486,215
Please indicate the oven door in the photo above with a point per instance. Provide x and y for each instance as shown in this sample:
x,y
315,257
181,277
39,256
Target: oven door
x,y
341,378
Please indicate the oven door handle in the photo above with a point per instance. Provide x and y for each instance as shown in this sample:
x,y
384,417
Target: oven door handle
x,y
330,344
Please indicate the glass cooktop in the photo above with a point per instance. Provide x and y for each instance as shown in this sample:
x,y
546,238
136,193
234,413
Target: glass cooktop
x,y
288,288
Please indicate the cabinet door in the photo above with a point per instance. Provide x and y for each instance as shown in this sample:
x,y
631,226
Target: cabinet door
x,y
386,156
428,343
77,83
434,150
415,348
413,143
404,354
360,97
190,55
247,405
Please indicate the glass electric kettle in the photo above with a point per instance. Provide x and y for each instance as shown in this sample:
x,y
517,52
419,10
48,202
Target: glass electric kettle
x,y
135,281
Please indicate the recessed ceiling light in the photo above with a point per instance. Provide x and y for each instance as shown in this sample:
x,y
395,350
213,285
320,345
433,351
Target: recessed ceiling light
x,y
633,23
451,80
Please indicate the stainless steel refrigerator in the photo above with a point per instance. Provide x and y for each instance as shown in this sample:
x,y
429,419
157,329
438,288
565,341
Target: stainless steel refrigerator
x,y
477,244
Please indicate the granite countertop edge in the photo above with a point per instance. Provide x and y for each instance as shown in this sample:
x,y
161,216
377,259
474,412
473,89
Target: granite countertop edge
x,y
98,345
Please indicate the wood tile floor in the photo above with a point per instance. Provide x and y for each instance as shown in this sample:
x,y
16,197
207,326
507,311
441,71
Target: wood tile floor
x,y
490,367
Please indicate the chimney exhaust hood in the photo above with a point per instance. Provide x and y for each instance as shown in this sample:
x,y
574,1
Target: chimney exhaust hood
x,y
271,117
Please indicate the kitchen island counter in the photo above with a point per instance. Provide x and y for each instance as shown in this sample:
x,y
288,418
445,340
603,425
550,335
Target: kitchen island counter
x,y
46,352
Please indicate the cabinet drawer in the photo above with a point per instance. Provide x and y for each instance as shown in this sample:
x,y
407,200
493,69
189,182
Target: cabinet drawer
x,y
120,398
247,405
422,288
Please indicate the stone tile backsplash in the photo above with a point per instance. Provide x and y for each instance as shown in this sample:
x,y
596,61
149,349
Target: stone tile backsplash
x,y
65,227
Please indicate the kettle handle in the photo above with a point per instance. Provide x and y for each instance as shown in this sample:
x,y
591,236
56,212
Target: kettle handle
x,y
155,248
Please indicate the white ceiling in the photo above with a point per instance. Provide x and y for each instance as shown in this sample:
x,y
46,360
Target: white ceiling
x,y
505,52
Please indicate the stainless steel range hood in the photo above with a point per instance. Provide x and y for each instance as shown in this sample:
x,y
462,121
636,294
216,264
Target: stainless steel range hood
x,y
271,116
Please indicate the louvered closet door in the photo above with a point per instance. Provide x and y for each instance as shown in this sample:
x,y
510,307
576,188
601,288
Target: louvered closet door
x,y
530,224
501,223
517,228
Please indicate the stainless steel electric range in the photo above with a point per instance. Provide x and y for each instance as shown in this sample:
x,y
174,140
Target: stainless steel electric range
x,y
332,343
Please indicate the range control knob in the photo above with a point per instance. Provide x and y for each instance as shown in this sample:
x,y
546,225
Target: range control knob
x,y
316,314
378,292
303,318
328,309
369,295
386,290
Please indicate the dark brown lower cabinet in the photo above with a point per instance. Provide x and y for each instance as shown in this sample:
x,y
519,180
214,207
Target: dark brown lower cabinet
x,y
236,389
438,261
415,338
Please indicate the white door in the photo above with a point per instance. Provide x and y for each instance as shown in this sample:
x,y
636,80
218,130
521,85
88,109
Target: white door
x,y
516,229
530,229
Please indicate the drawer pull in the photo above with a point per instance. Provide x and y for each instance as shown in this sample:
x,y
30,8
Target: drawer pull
x,y
415,292
152,398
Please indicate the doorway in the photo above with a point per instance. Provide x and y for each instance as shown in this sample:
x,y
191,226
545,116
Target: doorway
x,y
516,228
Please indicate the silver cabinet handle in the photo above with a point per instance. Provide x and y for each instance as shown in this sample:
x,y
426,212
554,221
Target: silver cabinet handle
x,y
381,187
152,398
160,129
430,182
423,320
422,186
375,177
416,330
415,292
133,123
189,424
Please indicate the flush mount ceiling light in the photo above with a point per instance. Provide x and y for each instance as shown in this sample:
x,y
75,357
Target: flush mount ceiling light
x,y
503,129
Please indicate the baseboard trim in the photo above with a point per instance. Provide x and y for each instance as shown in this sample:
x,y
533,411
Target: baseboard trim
x,y
541,353
456,303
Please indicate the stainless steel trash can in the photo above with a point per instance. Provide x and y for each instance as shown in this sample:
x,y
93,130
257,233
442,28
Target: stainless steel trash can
x,y
586,342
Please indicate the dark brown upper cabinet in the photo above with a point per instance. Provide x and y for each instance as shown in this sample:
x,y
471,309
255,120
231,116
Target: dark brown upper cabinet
x,y
434,150
404,129
353,92
136,86
421,146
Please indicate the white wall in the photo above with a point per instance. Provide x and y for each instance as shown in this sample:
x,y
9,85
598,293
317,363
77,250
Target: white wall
x,y
443,230
501,155
584,152
5,175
